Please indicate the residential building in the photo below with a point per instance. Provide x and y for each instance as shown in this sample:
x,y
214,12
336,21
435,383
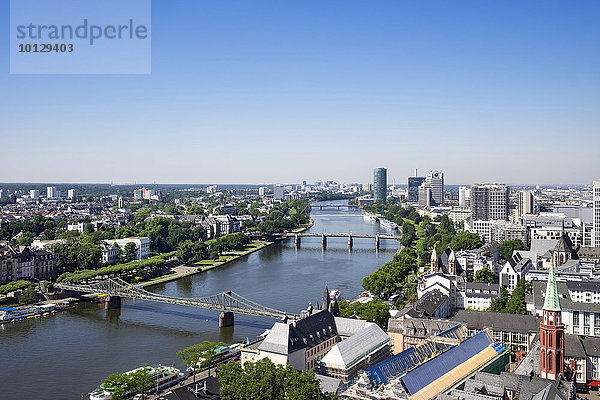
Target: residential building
x,y
489,202
110,252
435,179
44,265
414,182
262,191
477,296
407,332
21,262
514,271
52,193
379,184
464,196
79,227
278,192
34,194
72,194
459,215
142,245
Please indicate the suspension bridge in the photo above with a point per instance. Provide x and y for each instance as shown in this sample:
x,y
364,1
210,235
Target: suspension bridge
x,y
227,302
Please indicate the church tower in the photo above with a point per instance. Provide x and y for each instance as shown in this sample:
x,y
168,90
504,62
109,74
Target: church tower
x,y
552,333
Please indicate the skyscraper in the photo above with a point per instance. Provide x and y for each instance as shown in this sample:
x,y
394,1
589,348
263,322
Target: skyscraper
x,y
489,202
525,202
464,196
596,214
52,192
436,180
379,184
413,187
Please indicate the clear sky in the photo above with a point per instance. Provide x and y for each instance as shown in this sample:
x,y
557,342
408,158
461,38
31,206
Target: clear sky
x,y
282,91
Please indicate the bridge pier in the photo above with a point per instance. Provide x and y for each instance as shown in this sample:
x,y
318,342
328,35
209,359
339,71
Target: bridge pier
x,y
225,319
377,243
324,242
298,241
112,302
350,242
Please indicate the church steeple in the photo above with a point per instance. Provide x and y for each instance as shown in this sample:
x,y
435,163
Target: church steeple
x,y
326,300
552,333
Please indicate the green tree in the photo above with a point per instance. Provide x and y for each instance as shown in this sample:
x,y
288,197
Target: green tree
x,y
194,210
485,275
201,355
26,239
267,381
374,311
129,253
28,296
126,385
509,246
465,240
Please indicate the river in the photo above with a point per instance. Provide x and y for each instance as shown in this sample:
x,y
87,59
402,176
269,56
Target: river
x,y
66,355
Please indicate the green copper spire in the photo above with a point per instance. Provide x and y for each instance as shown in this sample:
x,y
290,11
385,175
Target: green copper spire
x,y
552,301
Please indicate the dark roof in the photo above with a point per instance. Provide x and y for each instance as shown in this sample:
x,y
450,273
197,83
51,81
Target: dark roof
x,y
471,289
498,321
564,244
428,304
566,303
592,253
419,327
574,346
591,344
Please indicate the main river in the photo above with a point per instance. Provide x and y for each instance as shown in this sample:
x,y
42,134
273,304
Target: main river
x,y
66,355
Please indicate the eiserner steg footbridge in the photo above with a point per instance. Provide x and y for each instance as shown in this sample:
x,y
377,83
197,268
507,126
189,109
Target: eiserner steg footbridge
x,y
298,238
227,302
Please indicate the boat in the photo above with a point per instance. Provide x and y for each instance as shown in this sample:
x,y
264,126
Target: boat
x,y
334,294
388,224
10,314
369,218
163,376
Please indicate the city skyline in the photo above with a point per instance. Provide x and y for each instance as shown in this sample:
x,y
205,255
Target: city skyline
x,y
484,92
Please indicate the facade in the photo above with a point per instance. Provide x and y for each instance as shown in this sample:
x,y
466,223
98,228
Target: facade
x,y
464,196
515,270
72,194
596,198
435,179
278,192
525,202
18,263
142,246
414,182
489,202
426,195
52,193
379,184
407,332
34,194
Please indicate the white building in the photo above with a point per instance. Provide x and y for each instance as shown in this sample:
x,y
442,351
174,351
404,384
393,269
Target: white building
x,y
262,191
460,214
596,214
477,296
142,246
34,194
76,227
72,194
52,193
515,270
464,196
489,201
525,203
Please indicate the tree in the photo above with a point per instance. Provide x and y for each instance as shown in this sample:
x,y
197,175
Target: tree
x,y
201,355
509,246
485,275
465,240
374,311
194,210
129,253
26,239
28,296
267,381
128,384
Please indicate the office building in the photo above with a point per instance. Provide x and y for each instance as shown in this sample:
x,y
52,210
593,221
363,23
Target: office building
x,y
425,195
596,228
525,202
414,182
489,201
464,196
72,194
379,184
436,181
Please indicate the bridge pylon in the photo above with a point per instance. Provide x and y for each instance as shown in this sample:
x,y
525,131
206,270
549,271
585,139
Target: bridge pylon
x,y
350,242
225,319
324,242
112,302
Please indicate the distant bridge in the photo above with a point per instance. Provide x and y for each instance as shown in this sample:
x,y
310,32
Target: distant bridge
x,y
228,302
298,238
338,206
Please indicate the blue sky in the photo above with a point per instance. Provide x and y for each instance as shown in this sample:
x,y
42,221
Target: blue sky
x,y
272,91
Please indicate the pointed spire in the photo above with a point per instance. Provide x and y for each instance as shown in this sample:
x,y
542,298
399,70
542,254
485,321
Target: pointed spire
x,y
336,309
326,301
552,300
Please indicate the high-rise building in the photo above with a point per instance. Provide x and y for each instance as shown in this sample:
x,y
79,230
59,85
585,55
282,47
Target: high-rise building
x,y
489,202
525,202
436,180
379,184
278,192
72,194
464,196
413,187
552,333
425,195
34,194
596,213
3,193
52,192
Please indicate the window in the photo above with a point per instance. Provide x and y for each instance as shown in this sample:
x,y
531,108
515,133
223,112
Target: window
x,y
586,319
575,317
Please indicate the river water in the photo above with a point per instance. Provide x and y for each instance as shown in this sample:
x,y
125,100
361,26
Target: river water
x,y
66,355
